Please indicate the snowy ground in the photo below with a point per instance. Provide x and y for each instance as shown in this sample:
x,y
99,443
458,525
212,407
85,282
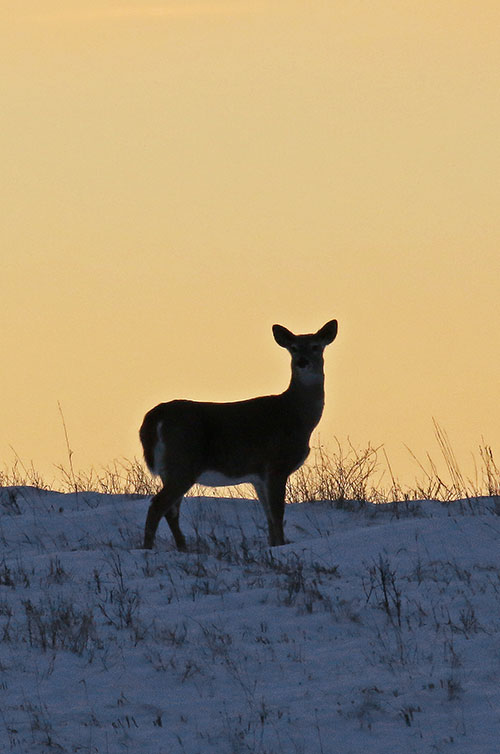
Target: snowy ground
x,y
376,630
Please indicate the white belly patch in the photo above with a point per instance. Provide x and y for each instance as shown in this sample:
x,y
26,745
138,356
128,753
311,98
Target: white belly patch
x,y
216,479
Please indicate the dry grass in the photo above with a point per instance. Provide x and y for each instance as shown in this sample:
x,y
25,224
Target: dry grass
x,y
366,475
343,474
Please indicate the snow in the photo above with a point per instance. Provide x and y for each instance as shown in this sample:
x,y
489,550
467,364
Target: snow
x,y
376,629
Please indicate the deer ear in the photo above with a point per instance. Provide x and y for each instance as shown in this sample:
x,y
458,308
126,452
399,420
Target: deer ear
x,y
282,336
328,332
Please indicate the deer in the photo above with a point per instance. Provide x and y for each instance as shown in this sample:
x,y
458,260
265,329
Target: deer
x,y
260,441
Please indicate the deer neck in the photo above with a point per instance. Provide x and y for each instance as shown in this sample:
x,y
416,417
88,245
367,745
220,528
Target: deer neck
x,y
306,399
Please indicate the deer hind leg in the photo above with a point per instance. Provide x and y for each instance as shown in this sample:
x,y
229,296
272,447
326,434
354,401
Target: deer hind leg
x,y
166,503
271,493
172,516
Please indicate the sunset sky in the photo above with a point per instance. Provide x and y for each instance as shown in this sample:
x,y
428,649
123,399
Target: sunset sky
x,y
178,176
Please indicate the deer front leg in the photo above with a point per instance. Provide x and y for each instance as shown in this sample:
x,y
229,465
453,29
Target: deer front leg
x,y
271,494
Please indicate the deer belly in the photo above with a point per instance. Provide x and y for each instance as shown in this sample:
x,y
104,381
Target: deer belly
x,y
218,479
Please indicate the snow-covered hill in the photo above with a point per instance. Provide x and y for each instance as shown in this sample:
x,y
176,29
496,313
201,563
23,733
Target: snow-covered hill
x,y
376,630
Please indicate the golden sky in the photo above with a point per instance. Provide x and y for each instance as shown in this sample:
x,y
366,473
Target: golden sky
x,y
178,176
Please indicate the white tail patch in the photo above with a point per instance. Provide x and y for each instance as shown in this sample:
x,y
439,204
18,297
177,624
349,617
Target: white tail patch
x,y
159,452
